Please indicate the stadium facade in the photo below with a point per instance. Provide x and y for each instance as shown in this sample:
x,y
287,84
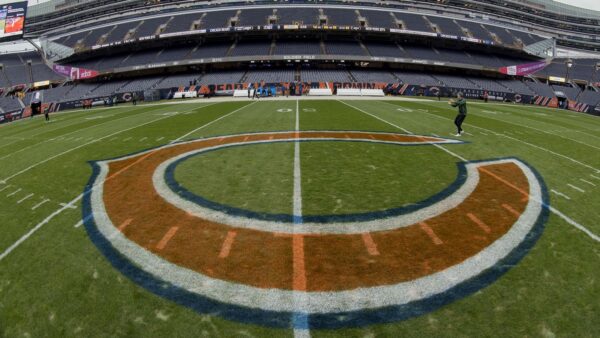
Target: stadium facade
x,y
103,52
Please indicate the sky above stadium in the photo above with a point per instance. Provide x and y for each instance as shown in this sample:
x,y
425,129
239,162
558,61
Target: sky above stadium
x,y
587,4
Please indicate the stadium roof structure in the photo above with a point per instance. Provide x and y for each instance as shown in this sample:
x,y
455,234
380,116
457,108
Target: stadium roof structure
x,y
559,7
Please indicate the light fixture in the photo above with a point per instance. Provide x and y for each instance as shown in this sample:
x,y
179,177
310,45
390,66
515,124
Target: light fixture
x,y
569,63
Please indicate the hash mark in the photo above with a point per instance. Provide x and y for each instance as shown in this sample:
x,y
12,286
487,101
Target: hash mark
x,y
226,248
511,210
427,229
125,224
561,194
14,193
39,204
370,244
166,238
25,198
586,181
479,223
575,187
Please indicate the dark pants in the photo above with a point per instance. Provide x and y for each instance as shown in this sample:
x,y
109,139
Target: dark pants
x,y
47,117
458,121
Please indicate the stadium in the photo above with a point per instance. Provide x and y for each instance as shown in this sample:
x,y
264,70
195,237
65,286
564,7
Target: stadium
x,y
268,168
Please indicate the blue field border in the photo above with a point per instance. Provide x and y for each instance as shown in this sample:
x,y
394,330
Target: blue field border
x,y
184,193
205,305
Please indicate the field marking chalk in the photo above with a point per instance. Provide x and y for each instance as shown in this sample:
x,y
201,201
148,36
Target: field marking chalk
x,y
588,182
406,131
166,238
80,146
227,243
14,193
33,230
76,199
560,194
125,224
299,284
479,223
211,122
515,139
511,210
25,198
427,230
68,205
551,208
40,204
370,244
575,187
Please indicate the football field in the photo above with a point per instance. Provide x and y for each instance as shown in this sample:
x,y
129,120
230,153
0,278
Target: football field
x,y
286,217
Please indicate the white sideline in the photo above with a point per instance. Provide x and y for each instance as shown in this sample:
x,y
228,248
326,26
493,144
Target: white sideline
x,y
551,208
78,198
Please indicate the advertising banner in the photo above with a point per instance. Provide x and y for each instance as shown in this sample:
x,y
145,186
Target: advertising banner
x,y
525,69
75,73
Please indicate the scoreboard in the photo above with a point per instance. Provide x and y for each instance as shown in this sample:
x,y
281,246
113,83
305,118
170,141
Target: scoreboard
x,y
12,20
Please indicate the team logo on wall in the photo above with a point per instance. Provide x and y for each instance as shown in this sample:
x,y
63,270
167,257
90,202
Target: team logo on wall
x,y
318,271
518,98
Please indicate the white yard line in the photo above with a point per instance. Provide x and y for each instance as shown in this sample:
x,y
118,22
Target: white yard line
x,y
62,136
297,171
80,196
519,140
81,146
583,132
405,130
208,124
540,130
300,320
551,208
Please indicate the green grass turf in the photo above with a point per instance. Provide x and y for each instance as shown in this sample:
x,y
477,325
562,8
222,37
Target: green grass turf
x,y
57,284
255,177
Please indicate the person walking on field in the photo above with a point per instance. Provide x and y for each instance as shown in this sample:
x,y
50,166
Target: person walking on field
x,y
461,103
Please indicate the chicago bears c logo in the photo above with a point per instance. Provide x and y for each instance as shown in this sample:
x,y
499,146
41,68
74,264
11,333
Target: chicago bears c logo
x,y
324,271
